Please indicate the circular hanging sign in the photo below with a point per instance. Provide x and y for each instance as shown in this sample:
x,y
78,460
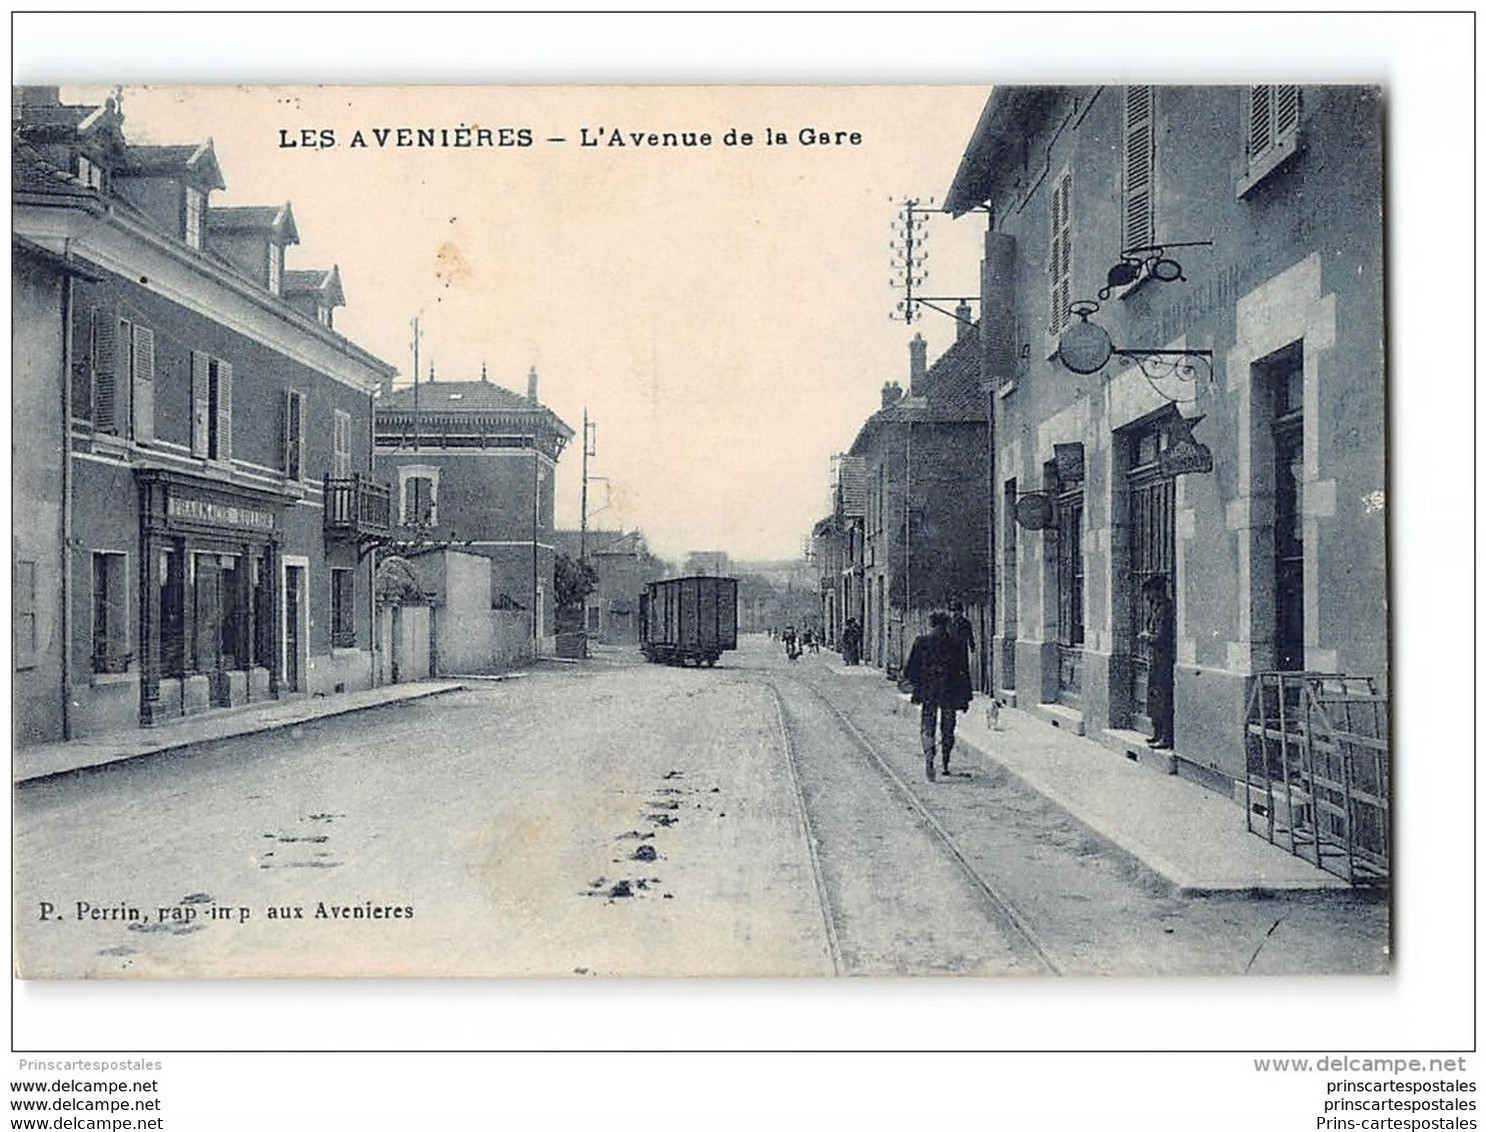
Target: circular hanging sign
x,y
1035,511
1084,347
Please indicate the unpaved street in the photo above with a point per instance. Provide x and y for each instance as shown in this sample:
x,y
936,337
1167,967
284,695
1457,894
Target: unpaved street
x,y
612,818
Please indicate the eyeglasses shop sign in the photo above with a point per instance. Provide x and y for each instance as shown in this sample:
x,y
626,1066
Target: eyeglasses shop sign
x,y
218,514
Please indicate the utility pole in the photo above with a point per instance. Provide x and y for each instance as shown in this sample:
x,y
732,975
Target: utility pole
x,y
417,334
583,511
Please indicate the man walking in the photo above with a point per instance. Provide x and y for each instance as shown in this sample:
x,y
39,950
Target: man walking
x,y
941,682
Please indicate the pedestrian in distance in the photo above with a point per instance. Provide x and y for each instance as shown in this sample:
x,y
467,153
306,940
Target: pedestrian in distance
x,y
852,642
792,643
1160,637
940,679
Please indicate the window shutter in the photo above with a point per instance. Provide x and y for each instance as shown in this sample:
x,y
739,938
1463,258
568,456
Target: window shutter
x,y
1287,111
341,463
105,369
1060,243
142,390
294,435
1260,136
201,381
1140,227
224,411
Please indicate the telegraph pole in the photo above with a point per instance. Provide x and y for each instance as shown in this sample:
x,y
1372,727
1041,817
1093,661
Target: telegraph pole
x,y
417,334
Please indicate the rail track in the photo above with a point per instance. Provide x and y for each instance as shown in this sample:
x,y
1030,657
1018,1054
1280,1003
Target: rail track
x,y
1014,925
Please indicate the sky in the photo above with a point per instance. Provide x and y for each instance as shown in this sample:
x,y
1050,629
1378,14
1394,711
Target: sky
x,y
721,311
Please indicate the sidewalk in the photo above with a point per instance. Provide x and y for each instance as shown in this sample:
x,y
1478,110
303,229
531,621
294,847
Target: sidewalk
x,y
47,759
1191,837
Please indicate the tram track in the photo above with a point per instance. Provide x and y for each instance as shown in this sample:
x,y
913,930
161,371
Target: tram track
x,y
1003,912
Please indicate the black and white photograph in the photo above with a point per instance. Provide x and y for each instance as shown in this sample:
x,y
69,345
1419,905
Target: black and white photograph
x,y
931,532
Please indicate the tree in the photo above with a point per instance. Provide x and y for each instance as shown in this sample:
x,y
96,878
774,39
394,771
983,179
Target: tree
x,y
572,581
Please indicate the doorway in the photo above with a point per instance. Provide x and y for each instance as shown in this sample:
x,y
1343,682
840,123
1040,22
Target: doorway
x,y
295,630
1151,499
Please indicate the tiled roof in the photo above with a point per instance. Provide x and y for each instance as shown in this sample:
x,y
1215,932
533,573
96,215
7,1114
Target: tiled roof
x,y
952,393
458,396
144,160
234,218
32,173
326,284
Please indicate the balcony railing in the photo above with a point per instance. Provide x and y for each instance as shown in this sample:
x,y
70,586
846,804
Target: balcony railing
x,y
357,506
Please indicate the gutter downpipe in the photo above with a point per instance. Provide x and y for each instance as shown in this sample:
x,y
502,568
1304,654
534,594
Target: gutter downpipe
x,y
68,302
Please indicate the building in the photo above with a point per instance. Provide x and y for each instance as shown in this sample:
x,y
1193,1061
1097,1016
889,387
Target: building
x,y
182,433
919,467
1182,321
623,564
471,465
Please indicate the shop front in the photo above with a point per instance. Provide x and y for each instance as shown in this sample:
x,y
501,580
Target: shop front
x,y
209,557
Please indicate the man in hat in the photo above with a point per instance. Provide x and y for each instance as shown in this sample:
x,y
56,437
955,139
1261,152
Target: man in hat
x,y
941,683
1160,635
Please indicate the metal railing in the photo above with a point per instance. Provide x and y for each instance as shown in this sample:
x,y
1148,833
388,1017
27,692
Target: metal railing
x,y
357,506
1317,770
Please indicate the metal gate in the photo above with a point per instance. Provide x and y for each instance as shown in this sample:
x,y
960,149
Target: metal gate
x,y
1317,762
1152,498
1071,596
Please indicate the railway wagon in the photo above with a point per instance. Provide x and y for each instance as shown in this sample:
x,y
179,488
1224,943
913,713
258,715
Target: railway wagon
x,y
689,619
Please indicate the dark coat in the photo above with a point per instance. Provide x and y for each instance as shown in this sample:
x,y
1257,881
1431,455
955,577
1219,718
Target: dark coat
x,y
939,672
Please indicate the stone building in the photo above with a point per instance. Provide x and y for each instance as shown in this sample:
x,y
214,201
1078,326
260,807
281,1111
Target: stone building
x,y
191,449
624,564
471,465
922,460
1182,320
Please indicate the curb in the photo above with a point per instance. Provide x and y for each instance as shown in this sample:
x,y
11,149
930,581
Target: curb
x,y
173,746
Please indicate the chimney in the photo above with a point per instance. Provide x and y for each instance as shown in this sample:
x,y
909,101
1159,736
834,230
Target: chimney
x,y
532,385
431,371
963,324
484,379
918,350
891,393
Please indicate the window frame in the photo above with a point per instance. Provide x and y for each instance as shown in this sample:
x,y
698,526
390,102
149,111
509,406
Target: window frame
x,y
195,217
109,621
24,644
342,607
1281,136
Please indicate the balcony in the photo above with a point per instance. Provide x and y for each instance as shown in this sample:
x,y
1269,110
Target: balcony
x,y
357,507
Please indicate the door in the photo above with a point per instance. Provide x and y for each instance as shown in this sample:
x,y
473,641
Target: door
x,y
294,597
1152,498
1071,596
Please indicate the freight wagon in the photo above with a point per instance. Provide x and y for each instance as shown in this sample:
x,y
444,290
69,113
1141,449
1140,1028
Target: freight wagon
x,y
689,619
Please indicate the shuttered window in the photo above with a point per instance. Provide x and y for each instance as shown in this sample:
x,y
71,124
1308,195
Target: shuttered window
x,y
341,466
294,435
110,614
105,360
1272,123
1274,114
1061,241
343,608
1138,217
211,407
141,379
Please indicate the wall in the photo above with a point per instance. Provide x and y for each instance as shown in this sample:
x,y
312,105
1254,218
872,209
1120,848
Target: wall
x,y
38,366
1299,259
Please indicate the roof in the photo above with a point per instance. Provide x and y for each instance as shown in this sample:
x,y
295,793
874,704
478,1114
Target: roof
x,y
327,284
30,172
997,145
154,160
255,217
458,396
952,393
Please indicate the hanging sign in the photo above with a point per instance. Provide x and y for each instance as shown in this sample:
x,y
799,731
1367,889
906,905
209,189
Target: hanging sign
x,y
1183,454
1035,511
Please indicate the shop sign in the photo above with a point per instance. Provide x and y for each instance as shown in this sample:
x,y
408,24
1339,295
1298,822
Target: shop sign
x,y
1183,454
1035,511
189,509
